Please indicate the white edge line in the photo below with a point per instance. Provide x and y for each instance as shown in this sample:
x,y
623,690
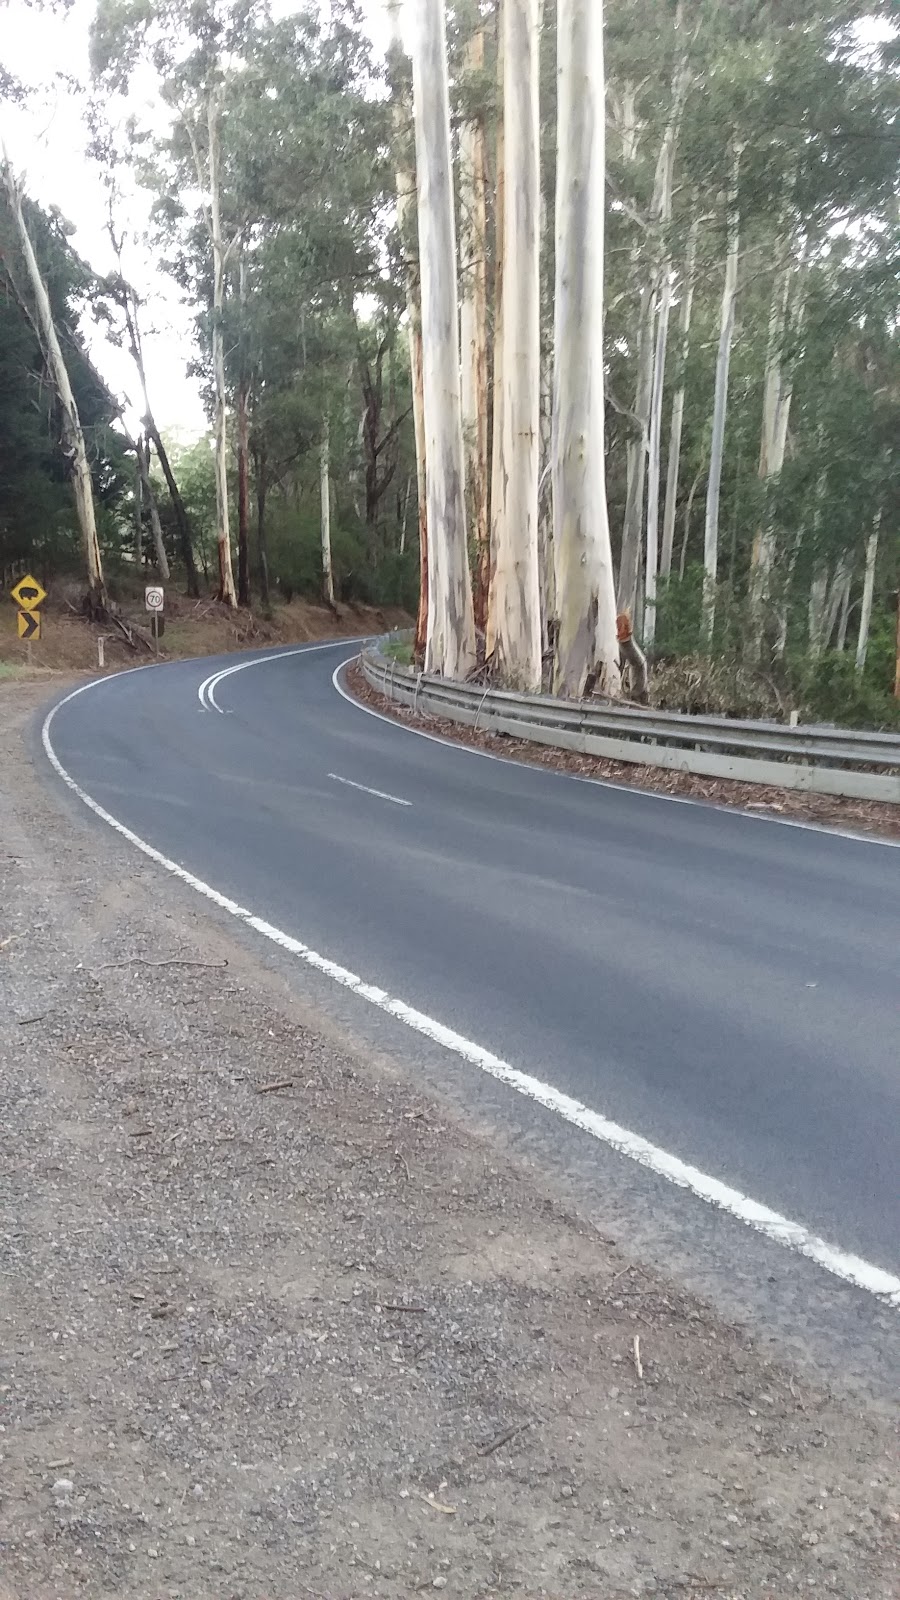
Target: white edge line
x,y
364,787
206,693
620,787
794,1236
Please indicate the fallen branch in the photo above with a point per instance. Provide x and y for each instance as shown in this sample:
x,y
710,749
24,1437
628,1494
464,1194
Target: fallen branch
x,y
503,1438
144,961
638,1364
412,1311
272,1088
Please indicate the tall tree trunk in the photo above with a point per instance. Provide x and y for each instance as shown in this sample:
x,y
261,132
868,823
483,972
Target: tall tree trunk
x,y
644,451
406,222
243,463
71,433
587,649
260,474
497,497
816,611
325,504
182,520
473,325
865,615
636,457
676,426
720,407
786,314
129,302
138,513
226,591
450,648
844,621
655,455
514,625
243,453
142,447
545,501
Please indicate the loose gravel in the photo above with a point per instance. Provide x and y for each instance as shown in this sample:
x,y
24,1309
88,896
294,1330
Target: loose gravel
x,y
274,1325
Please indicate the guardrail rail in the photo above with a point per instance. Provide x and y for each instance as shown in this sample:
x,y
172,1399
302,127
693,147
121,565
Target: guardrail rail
x,y
819,760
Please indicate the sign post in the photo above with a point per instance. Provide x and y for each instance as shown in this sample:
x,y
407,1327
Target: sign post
x,y
28,595
154,600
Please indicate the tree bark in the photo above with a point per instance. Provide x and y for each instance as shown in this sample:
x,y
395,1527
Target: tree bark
x,y
129,303
243,463
636,457
260,473
450,648
138,513
514,625
497,497
720,407
655,304
473,326
786,314
655,455
226,591
325,504
149,497
587,649
406,222
243,452
71,433
865,615
676,427
182,519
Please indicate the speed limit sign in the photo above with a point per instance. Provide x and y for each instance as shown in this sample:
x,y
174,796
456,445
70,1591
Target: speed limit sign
x,y
153,597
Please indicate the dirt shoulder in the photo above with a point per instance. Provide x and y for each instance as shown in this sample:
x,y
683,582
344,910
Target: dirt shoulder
x,y
274,1324
828,811
69,642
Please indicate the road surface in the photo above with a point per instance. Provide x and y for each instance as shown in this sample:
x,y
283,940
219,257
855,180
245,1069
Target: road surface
x,y
724,987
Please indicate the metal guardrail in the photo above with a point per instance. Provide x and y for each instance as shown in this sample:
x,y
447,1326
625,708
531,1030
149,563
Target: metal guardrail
x,y
838,761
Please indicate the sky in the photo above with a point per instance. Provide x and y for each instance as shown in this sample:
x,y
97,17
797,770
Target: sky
x,y
46,143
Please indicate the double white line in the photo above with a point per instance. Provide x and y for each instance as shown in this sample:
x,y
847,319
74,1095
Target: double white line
x,y
206,693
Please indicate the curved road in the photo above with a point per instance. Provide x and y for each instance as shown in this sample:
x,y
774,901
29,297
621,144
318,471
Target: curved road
x,y
724,987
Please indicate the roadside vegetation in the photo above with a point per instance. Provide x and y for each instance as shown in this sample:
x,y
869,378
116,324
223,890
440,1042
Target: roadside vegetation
x,y
333,218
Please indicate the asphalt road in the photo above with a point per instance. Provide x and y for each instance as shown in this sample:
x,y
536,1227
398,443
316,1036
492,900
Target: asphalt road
x,y
724,986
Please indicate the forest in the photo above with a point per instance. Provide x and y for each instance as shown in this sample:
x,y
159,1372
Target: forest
x,y
573,331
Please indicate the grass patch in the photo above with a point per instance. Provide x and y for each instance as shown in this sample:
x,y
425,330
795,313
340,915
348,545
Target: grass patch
x,y
399,650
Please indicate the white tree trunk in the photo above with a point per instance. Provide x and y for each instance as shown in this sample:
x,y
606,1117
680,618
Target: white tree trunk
x,y
676,427
720,407
655,455
545,502
865,615
818,606
497,496
514,630
636,456
406,224
451,626
71,434
786,314
844,621
325,514
149,496
223,531
587,647
473,327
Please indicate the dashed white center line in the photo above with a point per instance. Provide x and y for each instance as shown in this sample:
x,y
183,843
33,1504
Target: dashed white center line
x,y
364,787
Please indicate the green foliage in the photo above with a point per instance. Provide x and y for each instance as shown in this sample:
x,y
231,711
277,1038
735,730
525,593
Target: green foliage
x,y
37,517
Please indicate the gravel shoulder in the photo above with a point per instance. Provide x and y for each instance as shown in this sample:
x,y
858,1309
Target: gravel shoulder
x,y
274,1324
